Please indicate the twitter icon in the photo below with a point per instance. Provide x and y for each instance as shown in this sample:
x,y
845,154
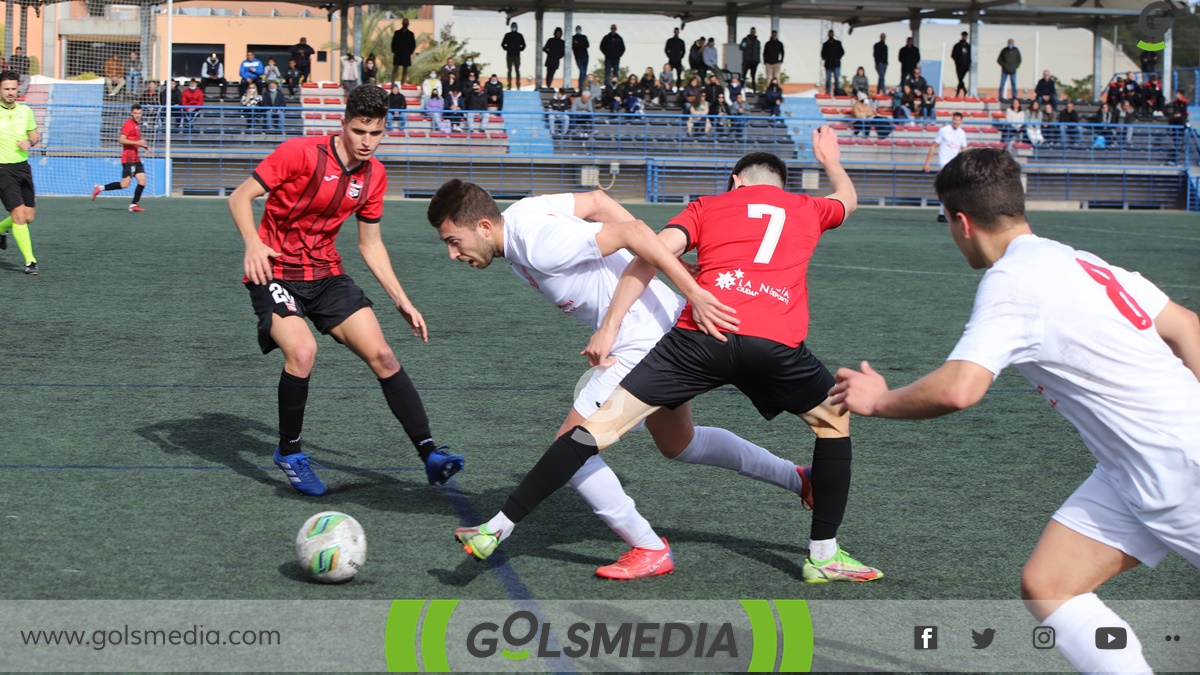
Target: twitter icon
x,y
983,640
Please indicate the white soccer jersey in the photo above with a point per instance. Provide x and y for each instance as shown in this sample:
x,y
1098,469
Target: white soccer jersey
x,y
950,142
556,253
1082,332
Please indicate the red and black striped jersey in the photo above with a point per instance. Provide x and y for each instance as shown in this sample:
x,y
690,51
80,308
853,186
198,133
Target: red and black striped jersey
x,y
310,195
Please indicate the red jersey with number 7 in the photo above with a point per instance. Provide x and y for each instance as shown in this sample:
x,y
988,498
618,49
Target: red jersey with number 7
x,y
753,246
310,195
132,131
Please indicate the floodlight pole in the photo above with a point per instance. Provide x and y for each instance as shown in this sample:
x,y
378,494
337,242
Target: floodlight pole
x,y
170,104
1167,80
1097,60
568,35
538,35
974,35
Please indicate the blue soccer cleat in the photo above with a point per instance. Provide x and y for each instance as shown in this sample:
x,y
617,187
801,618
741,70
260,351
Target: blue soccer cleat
x,y
299,473
440,466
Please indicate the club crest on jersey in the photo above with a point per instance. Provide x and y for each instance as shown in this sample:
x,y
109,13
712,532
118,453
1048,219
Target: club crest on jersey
x,y
355,189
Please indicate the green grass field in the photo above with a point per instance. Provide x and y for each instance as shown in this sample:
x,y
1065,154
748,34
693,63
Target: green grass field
x,y
137,419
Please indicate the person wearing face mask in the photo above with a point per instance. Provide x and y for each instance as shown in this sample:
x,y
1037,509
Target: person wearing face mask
x,y
494,92
212,72
191,99
431,82
554,50
1009,60
513,44
579,47
613,48
465,71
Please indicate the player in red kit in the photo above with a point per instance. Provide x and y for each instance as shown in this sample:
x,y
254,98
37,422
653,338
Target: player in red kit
x,y
293,272
754,243
131,160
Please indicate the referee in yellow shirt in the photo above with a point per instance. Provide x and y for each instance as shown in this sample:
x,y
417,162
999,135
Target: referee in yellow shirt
x,y
18,133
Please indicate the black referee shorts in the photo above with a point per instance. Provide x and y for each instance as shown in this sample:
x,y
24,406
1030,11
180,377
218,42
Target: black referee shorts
x,y
686,363
131,169
16,186
326,302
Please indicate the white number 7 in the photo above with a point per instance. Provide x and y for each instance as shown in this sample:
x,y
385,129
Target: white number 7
x,y
774,229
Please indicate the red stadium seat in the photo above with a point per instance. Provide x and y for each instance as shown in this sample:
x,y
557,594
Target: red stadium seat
x,y
997,115
498,134
333,116
311,101
989,130
931,127
1022,146
312,116
971,130
977,114
887,142
838,126
333,101
478,134
416,134
314,132
308,85
945,113
330,85
990,99
904,144
436,134
415,118
395,134
458,134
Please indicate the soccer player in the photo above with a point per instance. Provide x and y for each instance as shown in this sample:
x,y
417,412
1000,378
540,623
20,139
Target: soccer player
x,y
754,243
131,161
552,246
293,271
1108,350
18,133
950,140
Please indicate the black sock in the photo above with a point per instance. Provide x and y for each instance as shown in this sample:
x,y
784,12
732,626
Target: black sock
x,y
830,485
405,402
137,192
115,185
293,395
561,460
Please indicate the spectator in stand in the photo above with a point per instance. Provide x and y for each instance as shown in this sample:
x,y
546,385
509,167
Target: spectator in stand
x,y
1149,61
916,82
910,100
495,92
175,102
1178,112
513,44
909,57
468,85
579,47
693,94
468,72
449,85
1069,119
774,98
249,73
831,55
628,95
351,70
192,99
612,46
133,73
476,106
555,50
862,112
291,77
666,80
370,70
1015,121
431,82
961,55
1033,124
591,84
1114,92
696,58
273,104
302,54
1045,88
212,72
581,111
404,43
710,59
699,113
250,107
1010,61
928,103
114,75
737,113
648,89
860,82
881,63
751,56
1153,99
734,89
18,62
397,108
434,105
609,97
271,72
152,109
448,68
718,115
1105,116
899,112
773,57
675,51
712,89
1127,115
1132,91
559,105
455,108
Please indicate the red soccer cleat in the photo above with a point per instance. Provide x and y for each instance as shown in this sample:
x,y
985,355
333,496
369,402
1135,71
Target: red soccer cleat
x,y
806,497
96,192
639,563
134,208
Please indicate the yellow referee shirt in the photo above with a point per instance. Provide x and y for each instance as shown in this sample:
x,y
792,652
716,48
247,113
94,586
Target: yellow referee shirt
x,y
15,125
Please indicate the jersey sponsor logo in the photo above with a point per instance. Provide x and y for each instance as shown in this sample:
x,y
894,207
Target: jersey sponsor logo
x,y
329,178
355,188
528,277
736,280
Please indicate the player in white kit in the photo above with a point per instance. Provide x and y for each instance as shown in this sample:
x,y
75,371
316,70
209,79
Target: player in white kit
x,y
552,244
950,140
1111,353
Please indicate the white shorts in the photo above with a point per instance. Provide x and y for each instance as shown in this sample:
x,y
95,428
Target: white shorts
x,y
598,383
1097,510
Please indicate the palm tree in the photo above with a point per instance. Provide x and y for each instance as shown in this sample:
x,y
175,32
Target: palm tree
x,y
380,24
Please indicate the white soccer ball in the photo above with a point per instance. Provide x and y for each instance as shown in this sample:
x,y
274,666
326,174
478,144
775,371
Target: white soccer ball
x,y
332,547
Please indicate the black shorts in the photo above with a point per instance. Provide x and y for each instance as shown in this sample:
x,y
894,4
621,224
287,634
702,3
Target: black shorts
x,y
687,363
326,302
16,185
131,169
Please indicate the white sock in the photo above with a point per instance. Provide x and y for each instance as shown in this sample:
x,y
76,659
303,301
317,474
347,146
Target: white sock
x,y
823,549
500,524
602,490
718,447
1075,623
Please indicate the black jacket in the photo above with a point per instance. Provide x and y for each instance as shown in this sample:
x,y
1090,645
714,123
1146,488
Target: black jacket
x,y
404,42
751,49
475,101
675,49
555,49
773,52
909,57
280,100
961,54
513,42
695,57
560,104
397,102
881,52
832,53
579,46
612,46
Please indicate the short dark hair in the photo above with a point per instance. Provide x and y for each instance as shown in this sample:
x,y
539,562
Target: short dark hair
x,y
462,203
766,160
9,75
135,106
367,103
957,114
985,184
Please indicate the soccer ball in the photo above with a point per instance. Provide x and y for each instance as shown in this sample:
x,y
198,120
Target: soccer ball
x,y
331,547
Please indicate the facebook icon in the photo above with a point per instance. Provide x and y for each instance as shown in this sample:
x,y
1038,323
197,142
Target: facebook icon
x,y
925,637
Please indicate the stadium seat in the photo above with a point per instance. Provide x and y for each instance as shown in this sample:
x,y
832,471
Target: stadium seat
x,y
308,85
990,99
479,134
314,132
333,101
997,115
977,114
945,113
415,118
333,116
395,134
311,101
498,134
838,126
330,85
931,127
312,116
416,134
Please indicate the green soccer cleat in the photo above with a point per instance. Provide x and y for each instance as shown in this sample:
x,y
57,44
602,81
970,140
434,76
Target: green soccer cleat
x,y
840,567
477,541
